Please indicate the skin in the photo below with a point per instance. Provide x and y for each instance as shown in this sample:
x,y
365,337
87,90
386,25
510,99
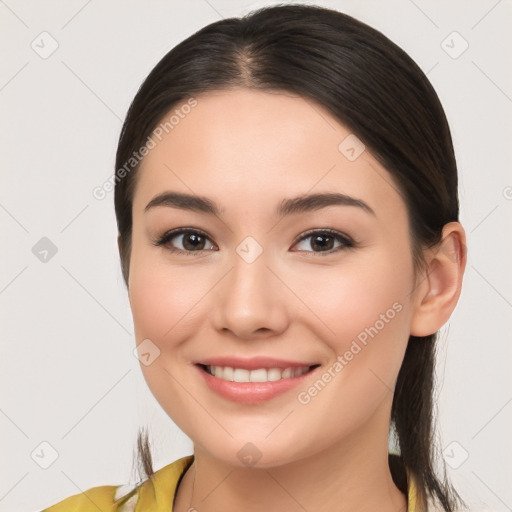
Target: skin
x,y
247,151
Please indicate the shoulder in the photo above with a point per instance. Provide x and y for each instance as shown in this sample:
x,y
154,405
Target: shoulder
x,y
95,498
158,491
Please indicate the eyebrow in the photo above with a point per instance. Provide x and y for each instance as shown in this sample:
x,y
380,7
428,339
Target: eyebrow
x,y
294,205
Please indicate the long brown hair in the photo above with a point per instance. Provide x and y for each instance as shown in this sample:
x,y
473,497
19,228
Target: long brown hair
x,y
376,90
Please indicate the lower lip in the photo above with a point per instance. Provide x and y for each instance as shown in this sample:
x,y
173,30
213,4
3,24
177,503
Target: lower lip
x,y
252,392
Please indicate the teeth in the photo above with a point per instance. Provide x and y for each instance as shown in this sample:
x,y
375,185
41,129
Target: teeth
x,y
259,375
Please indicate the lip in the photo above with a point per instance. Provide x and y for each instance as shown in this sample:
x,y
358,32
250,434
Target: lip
x,y
252,392
253,363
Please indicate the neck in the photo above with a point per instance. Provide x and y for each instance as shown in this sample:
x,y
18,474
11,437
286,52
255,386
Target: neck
x,y
351,475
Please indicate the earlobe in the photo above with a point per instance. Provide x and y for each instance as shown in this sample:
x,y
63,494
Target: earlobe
x,y
439,291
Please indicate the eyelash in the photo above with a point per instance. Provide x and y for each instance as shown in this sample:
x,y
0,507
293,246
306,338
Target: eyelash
x,y
346,242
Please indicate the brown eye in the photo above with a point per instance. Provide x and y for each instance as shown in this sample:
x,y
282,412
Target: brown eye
x,y
324,241
189,240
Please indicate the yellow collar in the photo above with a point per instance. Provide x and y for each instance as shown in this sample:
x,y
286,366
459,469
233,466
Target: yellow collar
x,y
412,496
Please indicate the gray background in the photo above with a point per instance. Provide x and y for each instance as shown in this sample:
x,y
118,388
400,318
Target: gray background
x,y
68,374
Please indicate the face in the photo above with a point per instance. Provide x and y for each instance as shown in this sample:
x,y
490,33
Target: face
x,y
324,282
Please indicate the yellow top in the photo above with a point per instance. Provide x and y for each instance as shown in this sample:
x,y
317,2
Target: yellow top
x,y
153,495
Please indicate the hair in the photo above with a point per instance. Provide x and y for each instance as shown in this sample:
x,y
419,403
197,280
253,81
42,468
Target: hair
x,y
378,92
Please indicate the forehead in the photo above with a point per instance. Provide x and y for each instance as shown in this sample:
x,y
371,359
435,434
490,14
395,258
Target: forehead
x,y
247,147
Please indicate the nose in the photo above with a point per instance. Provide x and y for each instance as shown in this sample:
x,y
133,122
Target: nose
x,y
251,301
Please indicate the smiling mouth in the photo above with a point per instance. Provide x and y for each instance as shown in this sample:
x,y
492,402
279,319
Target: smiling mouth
x,y
230,374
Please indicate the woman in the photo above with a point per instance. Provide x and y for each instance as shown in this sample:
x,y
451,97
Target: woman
x,y
286,199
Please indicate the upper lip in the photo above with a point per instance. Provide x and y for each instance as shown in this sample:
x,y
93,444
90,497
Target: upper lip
x,y
253,363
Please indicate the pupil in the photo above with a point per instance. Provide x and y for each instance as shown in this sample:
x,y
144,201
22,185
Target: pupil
x,y
195,239
323,246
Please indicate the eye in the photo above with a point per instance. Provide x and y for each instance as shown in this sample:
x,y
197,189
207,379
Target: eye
x,y
192,240
325,241
322,241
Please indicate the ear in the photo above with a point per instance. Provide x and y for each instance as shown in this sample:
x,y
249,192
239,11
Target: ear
x,y
438,292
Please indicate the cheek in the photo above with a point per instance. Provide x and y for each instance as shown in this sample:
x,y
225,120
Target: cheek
x,y
364,307
162,302
153,298
367,314
354,296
